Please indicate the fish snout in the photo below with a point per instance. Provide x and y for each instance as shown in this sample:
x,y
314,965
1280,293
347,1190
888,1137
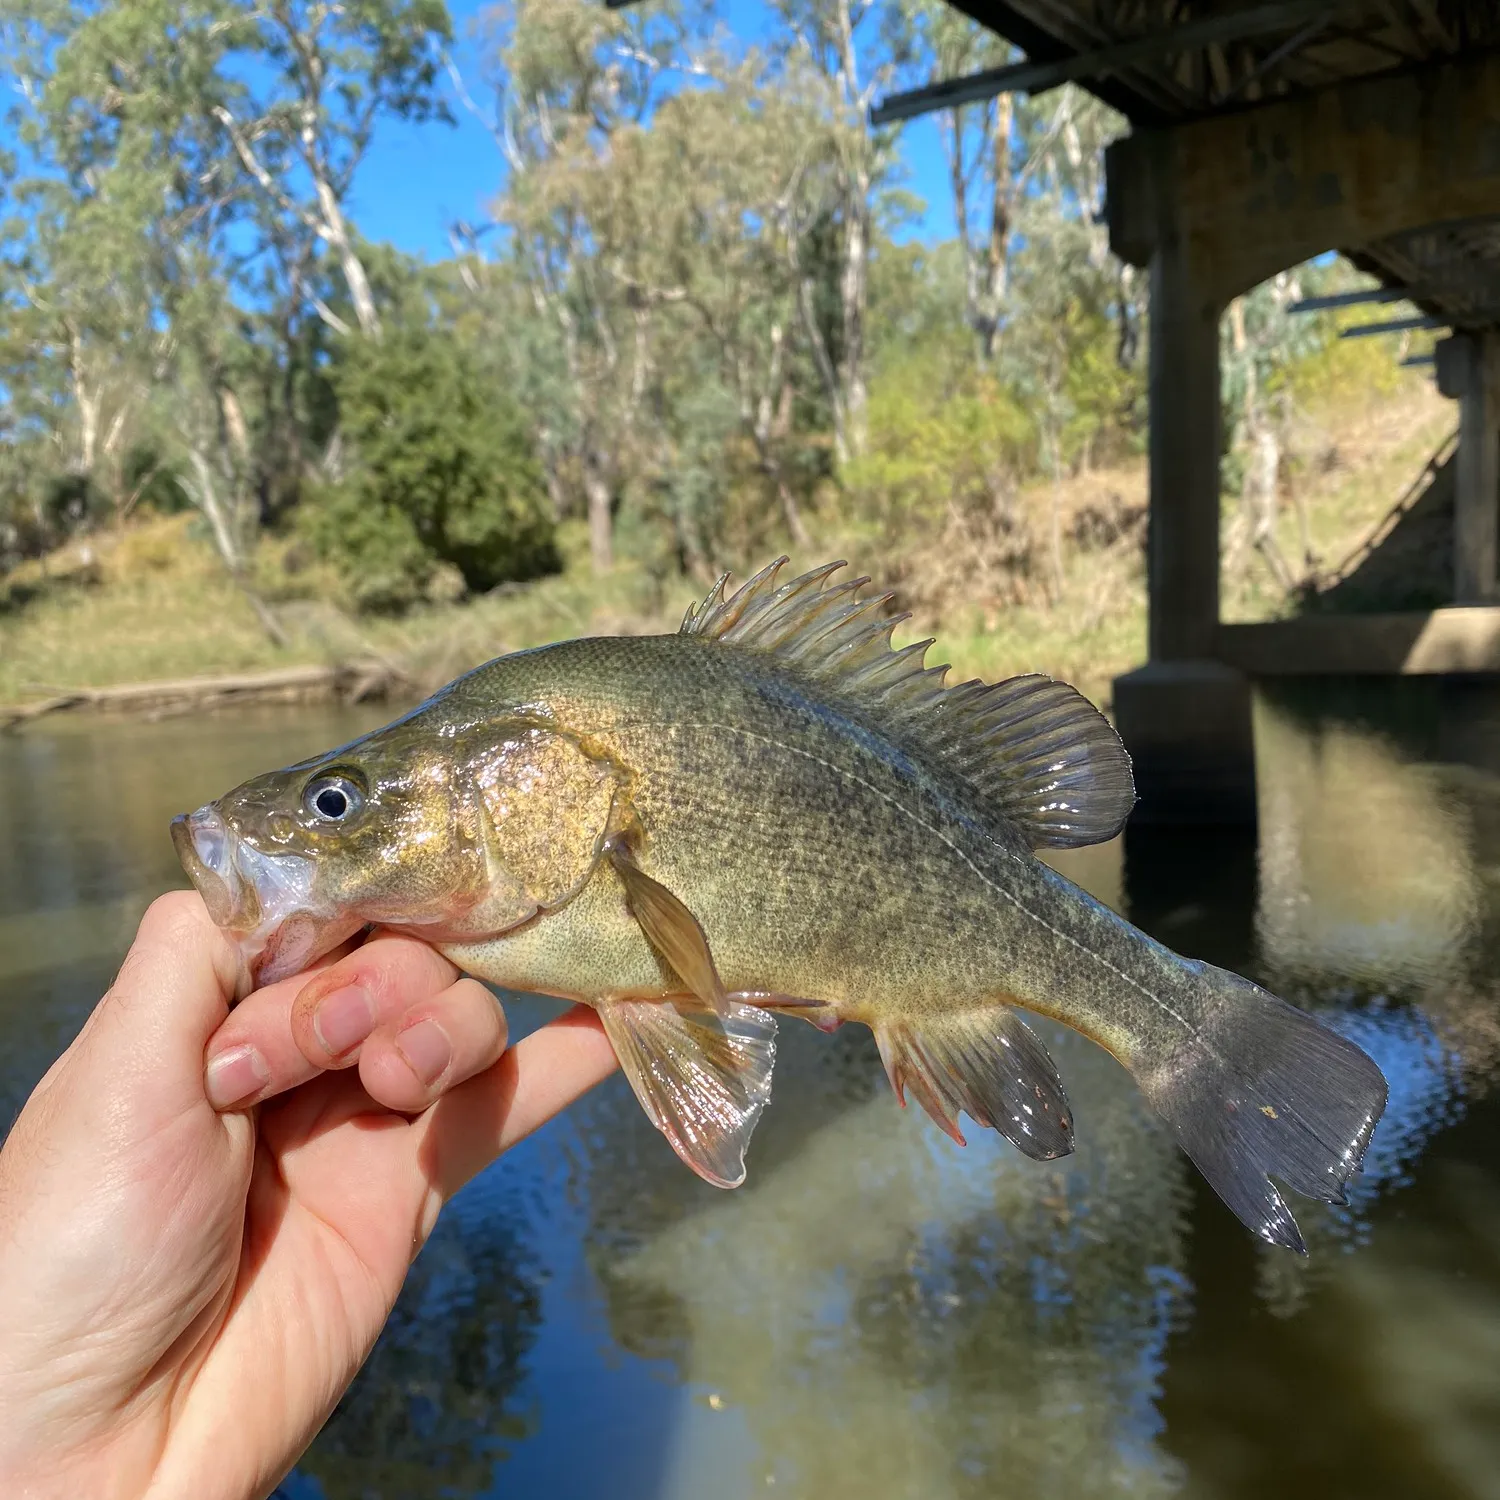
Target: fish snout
x,y
204,845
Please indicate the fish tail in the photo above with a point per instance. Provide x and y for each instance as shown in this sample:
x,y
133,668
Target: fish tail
x,y
1255,1089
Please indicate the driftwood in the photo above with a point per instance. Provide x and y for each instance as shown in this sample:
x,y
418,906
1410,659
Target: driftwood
x,y
351,681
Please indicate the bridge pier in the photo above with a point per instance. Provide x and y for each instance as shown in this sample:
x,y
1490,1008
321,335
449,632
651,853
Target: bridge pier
x,y
1468,371
1213,207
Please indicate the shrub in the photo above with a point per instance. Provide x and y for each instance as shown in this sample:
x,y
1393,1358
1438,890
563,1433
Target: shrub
x,y
442,471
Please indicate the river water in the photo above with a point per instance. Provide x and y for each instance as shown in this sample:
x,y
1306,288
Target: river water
x,y
878,1314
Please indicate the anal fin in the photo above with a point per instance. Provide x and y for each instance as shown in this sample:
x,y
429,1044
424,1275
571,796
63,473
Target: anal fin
x,y
985,1062
702,1079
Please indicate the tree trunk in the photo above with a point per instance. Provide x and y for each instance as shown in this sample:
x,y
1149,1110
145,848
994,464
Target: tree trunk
x,y
221,524
601,520
336,231
206,495
852,293
854,276
997,263
822,361
791,512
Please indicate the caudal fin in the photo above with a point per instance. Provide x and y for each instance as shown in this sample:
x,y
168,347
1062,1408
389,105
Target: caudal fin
x,y
1260,1090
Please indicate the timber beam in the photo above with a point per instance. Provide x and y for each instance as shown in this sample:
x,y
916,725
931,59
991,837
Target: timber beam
x,y
1247,194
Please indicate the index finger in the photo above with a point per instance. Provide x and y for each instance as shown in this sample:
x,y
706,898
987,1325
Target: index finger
x,y
536,1079
267,1044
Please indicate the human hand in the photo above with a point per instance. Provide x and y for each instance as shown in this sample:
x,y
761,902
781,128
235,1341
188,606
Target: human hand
x,y
186,1291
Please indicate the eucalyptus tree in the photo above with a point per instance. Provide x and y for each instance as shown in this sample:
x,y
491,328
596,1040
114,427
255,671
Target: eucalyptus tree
x,y
315,78
79,344
934,41
576,87
728,170
179,189
836,58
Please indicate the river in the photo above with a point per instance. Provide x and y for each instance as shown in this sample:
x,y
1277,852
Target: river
x,y
878,1314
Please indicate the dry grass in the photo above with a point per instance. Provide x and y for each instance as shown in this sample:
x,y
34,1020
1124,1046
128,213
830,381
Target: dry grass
x,y
1354,450
150,604
155,602
1086,627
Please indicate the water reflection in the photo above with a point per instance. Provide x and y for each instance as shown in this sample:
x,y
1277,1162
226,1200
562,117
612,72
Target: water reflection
x,y
878,1313
438,1396
1337,800
884,1314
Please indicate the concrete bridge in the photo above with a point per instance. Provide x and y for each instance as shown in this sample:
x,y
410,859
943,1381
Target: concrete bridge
x,y
1263,135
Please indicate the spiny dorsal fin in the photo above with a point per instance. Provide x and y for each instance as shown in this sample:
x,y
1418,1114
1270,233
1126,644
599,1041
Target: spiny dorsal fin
x,y
1043,753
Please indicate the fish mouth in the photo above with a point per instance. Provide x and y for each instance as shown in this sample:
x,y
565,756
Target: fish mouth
x,y
263,902
202,842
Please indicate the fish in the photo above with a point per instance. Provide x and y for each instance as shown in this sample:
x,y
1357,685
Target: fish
x,y
775,812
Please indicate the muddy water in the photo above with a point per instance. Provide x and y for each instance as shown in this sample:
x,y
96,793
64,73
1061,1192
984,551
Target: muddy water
x,y
878,1314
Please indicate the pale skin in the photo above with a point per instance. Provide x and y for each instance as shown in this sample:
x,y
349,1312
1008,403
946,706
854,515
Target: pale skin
x,y
206,1214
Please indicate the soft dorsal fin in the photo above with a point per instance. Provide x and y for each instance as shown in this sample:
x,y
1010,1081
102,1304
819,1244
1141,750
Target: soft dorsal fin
x,y
1038,749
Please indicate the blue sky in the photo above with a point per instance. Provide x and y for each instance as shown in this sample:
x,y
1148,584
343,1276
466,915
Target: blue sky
x,y
417,179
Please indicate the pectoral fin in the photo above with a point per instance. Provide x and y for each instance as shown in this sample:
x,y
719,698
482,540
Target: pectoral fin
x,y
986,1063
702,1080
672,930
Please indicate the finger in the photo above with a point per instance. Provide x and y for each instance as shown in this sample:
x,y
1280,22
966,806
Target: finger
x,y
436,1044
472,1124
287,1033
174,987
134,1066
252,1055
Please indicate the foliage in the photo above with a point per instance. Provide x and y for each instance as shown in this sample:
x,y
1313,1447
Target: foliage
x,y
442,470
945,438
177,206
697,329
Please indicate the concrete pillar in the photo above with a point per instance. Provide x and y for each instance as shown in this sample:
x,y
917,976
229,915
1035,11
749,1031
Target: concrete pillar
x,y
1187,726
1468,369
1185,717
1214,206
1183,529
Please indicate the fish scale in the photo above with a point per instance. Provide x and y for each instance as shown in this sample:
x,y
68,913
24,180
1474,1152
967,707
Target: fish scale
x,y
774,812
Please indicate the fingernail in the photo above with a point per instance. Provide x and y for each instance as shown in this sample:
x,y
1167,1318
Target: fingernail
x,y
426,1048
344,1019
235,1076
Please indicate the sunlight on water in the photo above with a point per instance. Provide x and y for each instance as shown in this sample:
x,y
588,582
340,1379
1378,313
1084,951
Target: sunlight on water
x,y
877,1313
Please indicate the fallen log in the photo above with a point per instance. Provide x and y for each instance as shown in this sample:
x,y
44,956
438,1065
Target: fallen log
x,y
353,681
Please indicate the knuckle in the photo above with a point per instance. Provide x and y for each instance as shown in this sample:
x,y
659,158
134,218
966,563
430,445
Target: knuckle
x,y
395,970
482,1000
173,917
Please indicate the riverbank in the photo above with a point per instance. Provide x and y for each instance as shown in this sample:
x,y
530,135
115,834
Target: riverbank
x,y
153,604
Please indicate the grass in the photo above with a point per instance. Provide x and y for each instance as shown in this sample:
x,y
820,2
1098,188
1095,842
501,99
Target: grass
x,y
1355,454
154,602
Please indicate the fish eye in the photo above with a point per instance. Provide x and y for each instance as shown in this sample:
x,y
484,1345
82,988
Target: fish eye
x,y
332,799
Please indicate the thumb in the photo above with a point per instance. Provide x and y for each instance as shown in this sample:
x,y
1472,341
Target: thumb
x,y
143,1046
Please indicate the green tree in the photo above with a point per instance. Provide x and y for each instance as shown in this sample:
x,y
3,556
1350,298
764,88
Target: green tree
x,y
441,470
934,41
576,84
836,61
322,74
179,243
